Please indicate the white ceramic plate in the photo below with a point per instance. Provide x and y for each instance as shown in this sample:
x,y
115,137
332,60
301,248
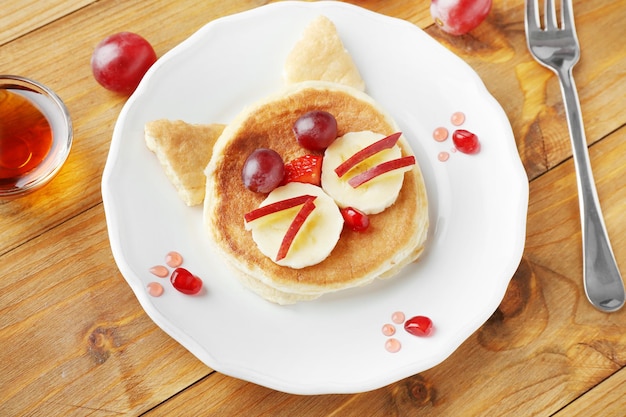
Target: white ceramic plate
x,y
478,206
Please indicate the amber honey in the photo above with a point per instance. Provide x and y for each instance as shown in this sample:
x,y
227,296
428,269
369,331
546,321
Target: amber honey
x,y
25,137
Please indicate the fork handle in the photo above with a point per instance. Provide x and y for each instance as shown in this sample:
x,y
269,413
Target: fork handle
x,y
603,284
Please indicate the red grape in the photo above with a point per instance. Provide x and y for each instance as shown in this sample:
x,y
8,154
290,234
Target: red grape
x,y
315,130
120,61
458,17
263,170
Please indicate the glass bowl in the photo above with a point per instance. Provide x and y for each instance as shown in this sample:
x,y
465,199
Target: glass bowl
x,y
35,135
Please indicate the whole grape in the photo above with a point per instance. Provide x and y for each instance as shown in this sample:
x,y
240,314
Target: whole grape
x,y
263,170
315,130
458,17
120,61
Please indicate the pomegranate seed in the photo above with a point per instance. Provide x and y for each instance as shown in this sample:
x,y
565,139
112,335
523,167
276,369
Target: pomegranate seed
x,y
185,282
465,141
419,326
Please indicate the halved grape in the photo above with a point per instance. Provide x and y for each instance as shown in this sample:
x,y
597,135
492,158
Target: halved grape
x,y
315,130
263,170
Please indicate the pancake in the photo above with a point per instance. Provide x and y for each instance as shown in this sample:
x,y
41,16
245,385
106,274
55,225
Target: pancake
x,y
320,55
184,150
395,237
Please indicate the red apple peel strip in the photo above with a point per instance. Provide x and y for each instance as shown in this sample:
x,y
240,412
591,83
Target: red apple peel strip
x,y
277,206
380,169
294,227
380,145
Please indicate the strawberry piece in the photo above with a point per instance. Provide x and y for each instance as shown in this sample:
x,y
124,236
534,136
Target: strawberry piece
x,y
380,169
307,169
294,228
376,147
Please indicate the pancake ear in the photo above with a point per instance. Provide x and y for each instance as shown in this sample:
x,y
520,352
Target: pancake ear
x,y
183,150
319,55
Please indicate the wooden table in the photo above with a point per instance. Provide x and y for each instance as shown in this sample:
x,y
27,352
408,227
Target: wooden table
x,y
75,341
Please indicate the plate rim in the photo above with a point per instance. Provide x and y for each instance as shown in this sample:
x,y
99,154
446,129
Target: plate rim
x,y
109,201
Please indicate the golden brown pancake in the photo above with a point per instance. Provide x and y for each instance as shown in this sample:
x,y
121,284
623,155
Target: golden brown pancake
x,y
395,237
183,150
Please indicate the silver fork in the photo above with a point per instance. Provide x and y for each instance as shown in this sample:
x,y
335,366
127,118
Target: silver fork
x,y
556,47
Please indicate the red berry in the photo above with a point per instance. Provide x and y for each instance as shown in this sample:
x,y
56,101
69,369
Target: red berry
x,y
419,326
120,61
465,141
315,130
307,168
355,219
458,17
185,282
263,170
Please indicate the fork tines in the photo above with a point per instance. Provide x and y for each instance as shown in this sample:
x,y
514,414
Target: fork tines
x,y
550,15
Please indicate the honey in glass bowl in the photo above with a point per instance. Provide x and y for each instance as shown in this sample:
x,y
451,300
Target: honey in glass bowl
x,y
35,135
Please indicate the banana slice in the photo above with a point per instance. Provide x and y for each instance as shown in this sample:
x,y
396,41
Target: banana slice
x,y
316,238
375,195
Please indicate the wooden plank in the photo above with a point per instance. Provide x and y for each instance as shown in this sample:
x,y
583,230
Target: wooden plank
x,y
219,395
559,248
20,18
73,336
606,399
401,9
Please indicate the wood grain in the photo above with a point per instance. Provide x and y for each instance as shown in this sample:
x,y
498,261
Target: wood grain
x,y
19,18
74,340
606,399
68,319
